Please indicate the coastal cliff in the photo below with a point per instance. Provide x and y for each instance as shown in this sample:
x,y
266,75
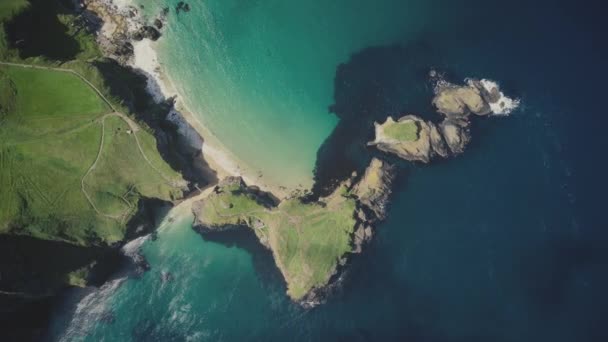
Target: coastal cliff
x,y
311,241
64,219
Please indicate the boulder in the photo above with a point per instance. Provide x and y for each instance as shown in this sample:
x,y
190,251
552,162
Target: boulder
x,y
460,101
146,32
456,134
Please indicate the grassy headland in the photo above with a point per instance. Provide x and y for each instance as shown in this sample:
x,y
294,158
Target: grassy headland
x,y
309,240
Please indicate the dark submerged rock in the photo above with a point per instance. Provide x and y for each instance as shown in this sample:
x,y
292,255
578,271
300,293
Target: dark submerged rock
x,y
182,6
148,32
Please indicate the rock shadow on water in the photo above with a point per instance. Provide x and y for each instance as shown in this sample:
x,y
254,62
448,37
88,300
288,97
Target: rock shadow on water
x,y
375,83
244,238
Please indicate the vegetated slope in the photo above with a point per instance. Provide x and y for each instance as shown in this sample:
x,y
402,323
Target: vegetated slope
x,y
54,230
307,239
49,140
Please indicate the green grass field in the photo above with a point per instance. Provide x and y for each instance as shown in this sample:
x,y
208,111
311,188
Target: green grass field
x,y
49,139
307,240
402,131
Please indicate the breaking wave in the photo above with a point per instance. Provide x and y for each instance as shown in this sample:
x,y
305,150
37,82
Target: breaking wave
x,y
505,105
95,306
91,310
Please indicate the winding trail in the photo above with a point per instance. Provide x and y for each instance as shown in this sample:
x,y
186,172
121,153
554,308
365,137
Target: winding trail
x,y
132,125
82,186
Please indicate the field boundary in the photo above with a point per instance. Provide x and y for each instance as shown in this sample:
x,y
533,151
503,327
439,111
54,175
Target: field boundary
x,y
114,112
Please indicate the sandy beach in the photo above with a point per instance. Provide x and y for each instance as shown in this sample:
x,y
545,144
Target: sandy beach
x,y
219,158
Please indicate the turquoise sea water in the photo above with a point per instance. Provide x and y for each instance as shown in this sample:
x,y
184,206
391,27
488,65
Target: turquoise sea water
x,y
504,243
260,74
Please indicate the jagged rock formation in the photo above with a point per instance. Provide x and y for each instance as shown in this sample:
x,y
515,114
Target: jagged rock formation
x,y
456,134
420,146
451,136
374,188
459,101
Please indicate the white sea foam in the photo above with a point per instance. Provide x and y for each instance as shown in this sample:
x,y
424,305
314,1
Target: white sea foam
x,y
95,305
90,310
132,248
505,105
122,4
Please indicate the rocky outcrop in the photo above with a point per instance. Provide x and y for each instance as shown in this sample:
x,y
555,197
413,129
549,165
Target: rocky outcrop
x,y
427,143
373,191
456,134
146,32
417,149
456,104
437,142
374,188
460,101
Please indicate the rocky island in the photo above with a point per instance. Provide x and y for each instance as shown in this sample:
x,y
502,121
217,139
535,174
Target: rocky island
x,y
414,139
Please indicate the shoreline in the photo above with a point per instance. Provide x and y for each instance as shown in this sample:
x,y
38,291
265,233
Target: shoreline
x,y
161,87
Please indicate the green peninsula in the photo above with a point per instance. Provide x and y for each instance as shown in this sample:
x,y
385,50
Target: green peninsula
x,y
308,239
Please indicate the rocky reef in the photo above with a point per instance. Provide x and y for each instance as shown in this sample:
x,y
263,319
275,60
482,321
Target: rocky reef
x,y
414,139
311,241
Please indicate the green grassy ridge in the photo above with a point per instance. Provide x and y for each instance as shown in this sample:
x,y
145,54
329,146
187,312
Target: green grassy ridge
x,y
48,143
58,118
307,239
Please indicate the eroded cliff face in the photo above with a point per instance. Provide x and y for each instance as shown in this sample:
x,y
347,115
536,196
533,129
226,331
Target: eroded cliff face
x,y
311,242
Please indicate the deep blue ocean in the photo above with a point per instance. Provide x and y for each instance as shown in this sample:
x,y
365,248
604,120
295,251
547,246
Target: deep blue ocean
x,y
507,242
